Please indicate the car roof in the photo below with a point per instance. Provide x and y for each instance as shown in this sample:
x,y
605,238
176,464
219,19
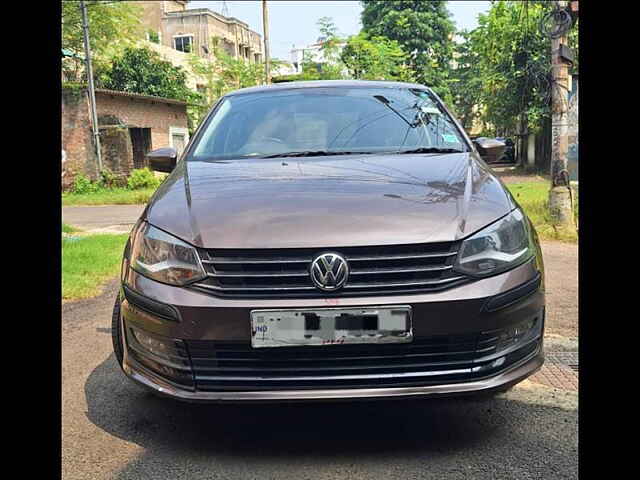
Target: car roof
x,y
326,84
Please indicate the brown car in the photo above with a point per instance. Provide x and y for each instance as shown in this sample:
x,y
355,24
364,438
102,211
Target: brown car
x,y
329,240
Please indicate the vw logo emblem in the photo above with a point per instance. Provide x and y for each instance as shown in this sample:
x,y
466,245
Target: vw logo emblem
x,y
329,271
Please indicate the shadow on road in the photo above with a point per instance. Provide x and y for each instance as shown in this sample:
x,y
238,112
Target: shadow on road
x,y
365,433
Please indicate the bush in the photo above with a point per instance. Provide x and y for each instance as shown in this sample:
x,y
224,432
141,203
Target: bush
x,y
142,178
108,179
83,184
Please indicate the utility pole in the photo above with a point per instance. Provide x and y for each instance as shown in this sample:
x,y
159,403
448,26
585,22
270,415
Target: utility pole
x,y
265,27
92,93
560,195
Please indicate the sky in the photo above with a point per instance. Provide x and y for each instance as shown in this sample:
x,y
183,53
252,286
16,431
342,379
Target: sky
x,y
293,22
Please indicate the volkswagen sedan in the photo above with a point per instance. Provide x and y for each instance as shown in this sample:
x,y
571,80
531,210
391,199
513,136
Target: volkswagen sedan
x,y
329,240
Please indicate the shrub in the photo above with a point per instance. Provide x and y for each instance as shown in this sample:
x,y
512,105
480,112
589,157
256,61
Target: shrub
x,y
82,184
108,179
142,178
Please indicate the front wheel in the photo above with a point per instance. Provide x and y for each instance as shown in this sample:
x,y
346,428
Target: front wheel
x,y
116,333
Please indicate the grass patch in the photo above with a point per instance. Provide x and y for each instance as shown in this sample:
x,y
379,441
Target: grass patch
x,y
111,196
534,199
69,229
88,262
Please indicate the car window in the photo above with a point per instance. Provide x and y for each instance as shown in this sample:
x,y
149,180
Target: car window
x,y
326,119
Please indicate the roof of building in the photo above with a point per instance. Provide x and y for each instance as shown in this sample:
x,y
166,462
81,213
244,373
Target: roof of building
x,y
206,11
326,84
152,98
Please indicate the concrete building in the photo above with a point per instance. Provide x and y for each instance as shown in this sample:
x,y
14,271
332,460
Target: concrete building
x,y
130,126
191,30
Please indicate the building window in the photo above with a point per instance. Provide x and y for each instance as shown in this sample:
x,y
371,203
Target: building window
x,y
183,43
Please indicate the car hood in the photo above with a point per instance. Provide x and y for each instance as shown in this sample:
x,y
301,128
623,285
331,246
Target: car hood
x,y
328,202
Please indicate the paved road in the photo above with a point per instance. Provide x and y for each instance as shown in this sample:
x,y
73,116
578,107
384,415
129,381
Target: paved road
x,y
102,217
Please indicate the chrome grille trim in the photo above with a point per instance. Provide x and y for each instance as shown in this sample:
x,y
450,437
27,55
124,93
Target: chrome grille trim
x,y
285,272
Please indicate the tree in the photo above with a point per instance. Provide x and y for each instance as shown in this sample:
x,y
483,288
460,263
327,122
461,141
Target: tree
x,y
331,67
224,74
423,29
112,27
140,70
376,58
505,67
466,82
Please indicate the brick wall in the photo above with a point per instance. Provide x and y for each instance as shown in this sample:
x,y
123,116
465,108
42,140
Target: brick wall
x,y
116,150
77,138
77,141
143,113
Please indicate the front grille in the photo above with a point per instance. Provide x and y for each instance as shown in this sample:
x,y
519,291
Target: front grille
x,y
220,366
285,272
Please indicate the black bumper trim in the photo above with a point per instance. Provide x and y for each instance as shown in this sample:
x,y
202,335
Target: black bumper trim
x,y
514,295
162,310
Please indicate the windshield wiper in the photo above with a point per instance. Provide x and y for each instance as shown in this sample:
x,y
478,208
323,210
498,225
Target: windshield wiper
x,y
431,150
310,153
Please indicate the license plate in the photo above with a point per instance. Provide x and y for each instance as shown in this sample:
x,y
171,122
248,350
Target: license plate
x,y
330,326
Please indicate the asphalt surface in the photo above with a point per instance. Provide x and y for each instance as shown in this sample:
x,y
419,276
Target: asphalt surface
x,y
102,217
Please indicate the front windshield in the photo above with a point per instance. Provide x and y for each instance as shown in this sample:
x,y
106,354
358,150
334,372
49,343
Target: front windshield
x,y
334,120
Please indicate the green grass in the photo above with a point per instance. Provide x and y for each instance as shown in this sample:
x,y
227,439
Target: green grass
x,y
69,229
113,196
88,262
533,197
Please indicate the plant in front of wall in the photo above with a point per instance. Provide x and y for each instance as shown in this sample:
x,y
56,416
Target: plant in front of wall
x,y
83,184
142,178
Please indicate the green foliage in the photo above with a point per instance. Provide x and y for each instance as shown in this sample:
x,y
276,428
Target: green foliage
x,y
142,178
88,262
112,27
139,179
108,179
83,184
423,29
533,198
504,68
331,67
143,71
109,196
153,36
376,58
466,83
223,75
66,228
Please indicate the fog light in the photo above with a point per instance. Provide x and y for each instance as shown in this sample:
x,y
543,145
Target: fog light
x,y
516,333
152,344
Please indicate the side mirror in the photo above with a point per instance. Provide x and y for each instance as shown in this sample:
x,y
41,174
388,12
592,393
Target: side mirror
x,y
490,149
163,159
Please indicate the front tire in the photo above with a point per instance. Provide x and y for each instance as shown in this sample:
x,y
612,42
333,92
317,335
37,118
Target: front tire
x,y
116,333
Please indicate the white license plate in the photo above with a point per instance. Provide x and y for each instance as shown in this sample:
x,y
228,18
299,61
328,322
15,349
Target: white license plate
x,y
331,326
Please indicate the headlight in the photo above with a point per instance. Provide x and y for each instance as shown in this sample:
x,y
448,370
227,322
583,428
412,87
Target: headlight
x,y
160,256
499,247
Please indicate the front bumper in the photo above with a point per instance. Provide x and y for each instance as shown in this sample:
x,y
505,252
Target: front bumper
x,y
513,375
485,308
